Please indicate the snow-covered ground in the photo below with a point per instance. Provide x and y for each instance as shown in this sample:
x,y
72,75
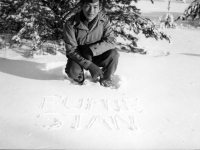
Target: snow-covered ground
x,y
154,103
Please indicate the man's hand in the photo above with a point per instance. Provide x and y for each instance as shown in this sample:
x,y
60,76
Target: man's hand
x,y
86,52
95,71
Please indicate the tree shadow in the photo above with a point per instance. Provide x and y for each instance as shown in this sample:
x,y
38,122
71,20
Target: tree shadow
x,y
25,51
197,55
28,69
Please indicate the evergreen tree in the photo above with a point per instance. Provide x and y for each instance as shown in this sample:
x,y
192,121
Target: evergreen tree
x,y
7,8
43,20
192,11
168,20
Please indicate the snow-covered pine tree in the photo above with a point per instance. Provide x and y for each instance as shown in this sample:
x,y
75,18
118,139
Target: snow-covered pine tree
x,y
168,20
9,7
45,17
192,11
43,20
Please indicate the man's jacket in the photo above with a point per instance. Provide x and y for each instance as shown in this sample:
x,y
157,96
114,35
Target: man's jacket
x,y
99,38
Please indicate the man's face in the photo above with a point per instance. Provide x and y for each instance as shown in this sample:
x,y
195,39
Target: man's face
x,y
90,10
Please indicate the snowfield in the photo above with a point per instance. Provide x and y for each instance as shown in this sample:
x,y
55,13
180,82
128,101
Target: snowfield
x,y
153,104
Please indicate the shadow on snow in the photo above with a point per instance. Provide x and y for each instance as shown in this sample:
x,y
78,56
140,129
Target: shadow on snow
x,y
27,69
197,55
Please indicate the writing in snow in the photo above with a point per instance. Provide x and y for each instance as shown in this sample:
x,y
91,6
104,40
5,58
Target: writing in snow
x,y
126,104
110,121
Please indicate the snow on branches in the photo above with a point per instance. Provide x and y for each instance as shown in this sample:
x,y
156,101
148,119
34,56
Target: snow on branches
x,y
192,11
168,20
42,20
127,21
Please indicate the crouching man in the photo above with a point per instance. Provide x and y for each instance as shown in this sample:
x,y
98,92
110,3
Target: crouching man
x,y
90,44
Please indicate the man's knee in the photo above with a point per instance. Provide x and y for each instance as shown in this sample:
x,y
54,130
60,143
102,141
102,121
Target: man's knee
x,y
113,53
73,70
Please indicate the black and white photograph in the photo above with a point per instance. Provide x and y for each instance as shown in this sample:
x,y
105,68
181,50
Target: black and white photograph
x,y
99,74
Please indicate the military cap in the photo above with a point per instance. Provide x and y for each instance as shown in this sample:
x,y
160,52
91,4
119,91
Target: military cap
x,y
89,1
